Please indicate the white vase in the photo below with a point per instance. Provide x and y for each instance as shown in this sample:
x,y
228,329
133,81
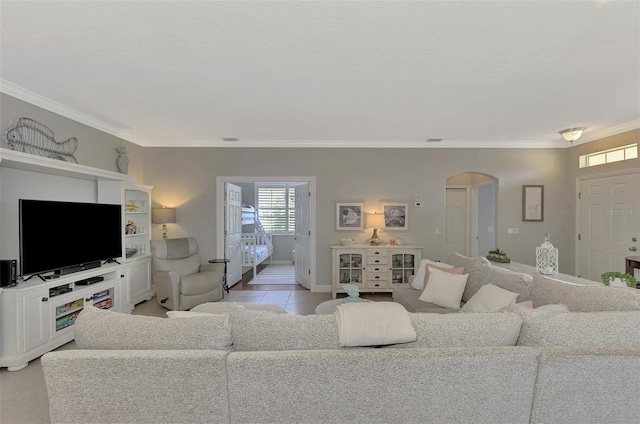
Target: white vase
x,y
616,282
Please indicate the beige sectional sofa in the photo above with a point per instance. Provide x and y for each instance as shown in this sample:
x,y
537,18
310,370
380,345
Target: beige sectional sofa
x,y
545,365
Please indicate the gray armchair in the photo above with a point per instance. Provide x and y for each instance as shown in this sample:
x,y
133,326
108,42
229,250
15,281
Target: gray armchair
x,y
181,281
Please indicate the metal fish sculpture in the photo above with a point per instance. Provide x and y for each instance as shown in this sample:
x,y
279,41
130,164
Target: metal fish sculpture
x,y
30,136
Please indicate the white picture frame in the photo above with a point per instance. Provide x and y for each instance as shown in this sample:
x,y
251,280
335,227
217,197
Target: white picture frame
x,y
396,216
350,216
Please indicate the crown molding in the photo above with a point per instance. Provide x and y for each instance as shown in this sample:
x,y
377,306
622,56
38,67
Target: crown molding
x,y
608,132
36,99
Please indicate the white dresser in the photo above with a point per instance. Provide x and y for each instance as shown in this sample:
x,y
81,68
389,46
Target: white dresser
x,y
373,268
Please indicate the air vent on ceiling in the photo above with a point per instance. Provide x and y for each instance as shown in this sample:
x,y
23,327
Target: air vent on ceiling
x,y
230,138
434,140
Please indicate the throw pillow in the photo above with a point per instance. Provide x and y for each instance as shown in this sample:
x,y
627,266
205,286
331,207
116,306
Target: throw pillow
x,y
101,329
458,270
489,298
418,279
444,289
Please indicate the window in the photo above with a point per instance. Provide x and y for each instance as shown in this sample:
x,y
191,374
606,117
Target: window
x,y
630,151
276,208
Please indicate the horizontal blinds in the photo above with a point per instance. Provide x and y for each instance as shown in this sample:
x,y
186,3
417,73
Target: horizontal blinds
x,y
276,208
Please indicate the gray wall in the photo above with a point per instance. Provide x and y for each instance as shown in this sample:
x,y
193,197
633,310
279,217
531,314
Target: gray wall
x,y
187,176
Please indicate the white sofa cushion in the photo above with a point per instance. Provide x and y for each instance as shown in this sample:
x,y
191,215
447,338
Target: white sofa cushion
x,y
231,307
444,289
489,298
584,298
465,330
101,329
547,327
264,330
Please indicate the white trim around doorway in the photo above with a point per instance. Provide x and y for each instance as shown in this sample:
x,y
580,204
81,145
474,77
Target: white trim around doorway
x,y
222,180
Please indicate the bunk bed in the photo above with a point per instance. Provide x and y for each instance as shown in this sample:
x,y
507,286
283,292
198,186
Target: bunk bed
x,y
256,243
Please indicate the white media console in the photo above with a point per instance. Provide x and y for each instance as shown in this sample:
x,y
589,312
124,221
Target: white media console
x,y
38,316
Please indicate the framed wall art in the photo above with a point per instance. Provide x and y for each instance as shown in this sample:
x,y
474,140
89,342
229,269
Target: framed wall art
x,y
349,216
533,203
396,216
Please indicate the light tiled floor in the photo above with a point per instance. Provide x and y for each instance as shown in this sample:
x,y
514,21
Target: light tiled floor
x,y
23,394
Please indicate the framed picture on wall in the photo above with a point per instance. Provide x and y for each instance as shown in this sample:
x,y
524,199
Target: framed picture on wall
x,y
533,203
396,216
349,216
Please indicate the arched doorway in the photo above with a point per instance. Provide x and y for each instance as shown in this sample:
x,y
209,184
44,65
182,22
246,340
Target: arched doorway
x,y
470,213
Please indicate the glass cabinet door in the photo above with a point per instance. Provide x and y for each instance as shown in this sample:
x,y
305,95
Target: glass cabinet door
x,y
350,268
402,267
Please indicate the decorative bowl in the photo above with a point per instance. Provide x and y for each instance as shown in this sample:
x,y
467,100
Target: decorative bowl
x,y
347,242
129,252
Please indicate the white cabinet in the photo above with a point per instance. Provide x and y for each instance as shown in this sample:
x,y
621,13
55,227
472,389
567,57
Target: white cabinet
x,y
140,279
136,232
36,316
373,268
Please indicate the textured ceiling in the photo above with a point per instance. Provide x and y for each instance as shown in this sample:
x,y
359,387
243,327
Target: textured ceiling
x,y
338,73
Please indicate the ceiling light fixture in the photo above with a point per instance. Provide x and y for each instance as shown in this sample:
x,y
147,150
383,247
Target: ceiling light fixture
x,y
434,140
572,134
230,139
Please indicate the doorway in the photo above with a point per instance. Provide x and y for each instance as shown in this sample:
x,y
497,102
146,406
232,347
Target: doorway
x,y
304,249
470,214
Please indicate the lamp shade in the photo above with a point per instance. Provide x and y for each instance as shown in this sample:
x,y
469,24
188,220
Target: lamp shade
x,y
375,220
163,215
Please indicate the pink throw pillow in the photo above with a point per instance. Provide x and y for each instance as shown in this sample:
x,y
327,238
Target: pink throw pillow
x,y
459,270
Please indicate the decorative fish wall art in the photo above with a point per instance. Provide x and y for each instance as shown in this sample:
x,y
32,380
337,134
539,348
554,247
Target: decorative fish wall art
x,y
30,136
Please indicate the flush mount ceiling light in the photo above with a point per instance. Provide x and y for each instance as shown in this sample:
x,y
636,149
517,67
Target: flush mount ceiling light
x,y
231,139
572,134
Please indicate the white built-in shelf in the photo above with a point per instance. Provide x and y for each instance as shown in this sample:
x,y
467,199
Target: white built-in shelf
x,y
28,162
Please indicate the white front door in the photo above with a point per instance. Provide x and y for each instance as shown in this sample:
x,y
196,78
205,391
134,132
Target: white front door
x,y
456,221
301,244
609,221
233,232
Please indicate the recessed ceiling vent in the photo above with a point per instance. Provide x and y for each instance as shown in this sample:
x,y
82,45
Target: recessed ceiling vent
x,y
434,140
230,139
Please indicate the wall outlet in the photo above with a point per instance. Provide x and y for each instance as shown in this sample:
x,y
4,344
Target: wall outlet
x,y
513,231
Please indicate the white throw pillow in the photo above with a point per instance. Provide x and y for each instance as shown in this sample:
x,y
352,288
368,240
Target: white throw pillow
x,y
444,289
418,279
489,298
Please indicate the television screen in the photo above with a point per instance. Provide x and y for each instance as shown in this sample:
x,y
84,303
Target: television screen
x,y
56,235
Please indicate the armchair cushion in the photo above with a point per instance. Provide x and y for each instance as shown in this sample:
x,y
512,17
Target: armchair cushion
x,y
198,283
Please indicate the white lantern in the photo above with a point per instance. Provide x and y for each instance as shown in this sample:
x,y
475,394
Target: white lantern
x,y
546,257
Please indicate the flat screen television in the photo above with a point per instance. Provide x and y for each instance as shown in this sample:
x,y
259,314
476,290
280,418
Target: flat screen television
x,y
71,236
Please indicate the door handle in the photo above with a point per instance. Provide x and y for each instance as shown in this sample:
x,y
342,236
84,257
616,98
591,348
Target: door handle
x,y
633,248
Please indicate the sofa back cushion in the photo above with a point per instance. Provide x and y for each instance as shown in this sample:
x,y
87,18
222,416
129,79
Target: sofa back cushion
x,y
255,330
512,281
584,298
100,329
465,330
550,327
471,267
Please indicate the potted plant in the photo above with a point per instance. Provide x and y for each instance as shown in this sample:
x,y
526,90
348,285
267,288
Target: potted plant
x,y
611,278
498,255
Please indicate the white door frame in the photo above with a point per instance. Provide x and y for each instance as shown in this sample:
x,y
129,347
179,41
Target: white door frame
x,y
579,181
220,182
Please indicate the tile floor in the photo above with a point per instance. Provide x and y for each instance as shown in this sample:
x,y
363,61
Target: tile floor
x,y
23,394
